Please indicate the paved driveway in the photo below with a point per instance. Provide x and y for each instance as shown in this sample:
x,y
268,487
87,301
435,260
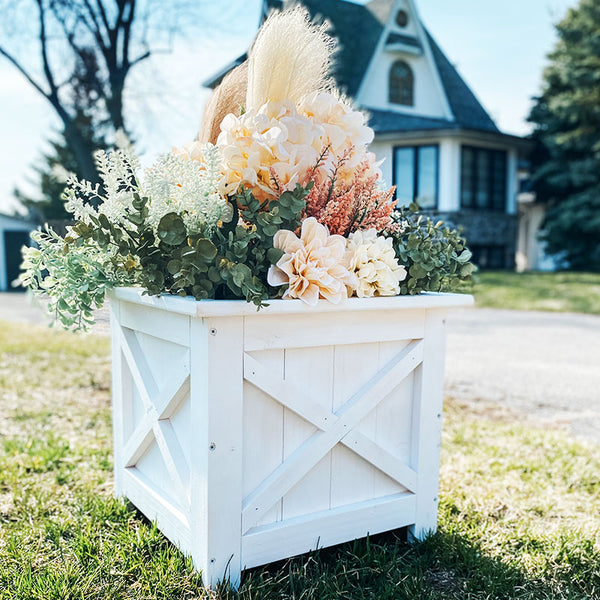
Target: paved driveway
x,y
544,364
17,306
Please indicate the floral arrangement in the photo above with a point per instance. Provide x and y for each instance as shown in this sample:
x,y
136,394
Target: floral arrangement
x,y
278,197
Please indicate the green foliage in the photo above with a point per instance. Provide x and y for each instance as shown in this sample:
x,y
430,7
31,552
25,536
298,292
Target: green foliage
x,y
566,159
436,258
75,282
99,254
175,233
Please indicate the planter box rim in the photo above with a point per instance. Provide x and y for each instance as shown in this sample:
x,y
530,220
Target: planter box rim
x,y
230,308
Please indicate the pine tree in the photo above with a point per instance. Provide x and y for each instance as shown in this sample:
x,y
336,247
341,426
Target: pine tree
x,y
566,160
48,205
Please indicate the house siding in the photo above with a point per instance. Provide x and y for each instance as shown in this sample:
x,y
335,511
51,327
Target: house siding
x,y
484,228
9,224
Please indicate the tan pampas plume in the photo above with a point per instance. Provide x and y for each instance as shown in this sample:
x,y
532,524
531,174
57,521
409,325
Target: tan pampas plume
x,y
290,57
228,97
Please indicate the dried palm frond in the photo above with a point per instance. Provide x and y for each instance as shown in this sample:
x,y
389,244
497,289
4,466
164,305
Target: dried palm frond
x,y
290,57
228,97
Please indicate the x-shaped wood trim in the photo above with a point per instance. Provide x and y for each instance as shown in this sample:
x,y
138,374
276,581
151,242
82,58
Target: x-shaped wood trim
x,y
332,428
160,405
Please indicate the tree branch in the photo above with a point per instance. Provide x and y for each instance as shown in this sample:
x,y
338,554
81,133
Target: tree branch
x,y
95,30
127,34
103,15
140,58
44,48
23,72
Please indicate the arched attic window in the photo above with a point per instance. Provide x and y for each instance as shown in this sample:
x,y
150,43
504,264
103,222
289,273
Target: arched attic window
x,y
402,83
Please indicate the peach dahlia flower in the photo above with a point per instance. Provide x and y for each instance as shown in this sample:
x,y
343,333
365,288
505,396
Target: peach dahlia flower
x,y
313,265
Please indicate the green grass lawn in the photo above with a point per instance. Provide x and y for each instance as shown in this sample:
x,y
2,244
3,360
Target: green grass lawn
x,y
557,292
519,515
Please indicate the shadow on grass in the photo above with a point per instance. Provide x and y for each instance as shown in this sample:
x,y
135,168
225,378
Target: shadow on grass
x,y
444,566
106,549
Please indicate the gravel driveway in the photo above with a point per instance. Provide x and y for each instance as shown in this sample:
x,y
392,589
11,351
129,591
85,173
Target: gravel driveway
x,y
546,366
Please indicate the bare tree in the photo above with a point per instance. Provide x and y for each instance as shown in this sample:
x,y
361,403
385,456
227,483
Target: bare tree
x,y
78,53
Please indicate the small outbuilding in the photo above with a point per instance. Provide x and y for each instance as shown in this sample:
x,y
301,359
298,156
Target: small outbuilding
x,y
14,234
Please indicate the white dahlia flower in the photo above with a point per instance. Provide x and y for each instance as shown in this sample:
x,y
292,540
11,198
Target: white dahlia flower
x,y
373,260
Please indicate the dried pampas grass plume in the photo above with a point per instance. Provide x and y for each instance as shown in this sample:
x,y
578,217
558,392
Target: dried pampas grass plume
x,y
290,57
228,97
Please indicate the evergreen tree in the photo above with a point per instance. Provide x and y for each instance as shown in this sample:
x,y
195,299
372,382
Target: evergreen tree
x,y
566,159
48,205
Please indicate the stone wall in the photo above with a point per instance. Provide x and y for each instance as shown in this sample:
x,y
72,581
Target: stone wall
x,y
485,229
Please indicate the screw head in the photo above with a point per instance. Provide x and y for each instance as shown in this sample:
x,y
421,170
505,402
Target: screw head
x,y
212,446
213,331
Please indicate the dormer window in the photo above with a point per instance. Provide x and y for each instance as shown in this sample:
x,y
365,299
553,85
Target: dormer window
x,y
402,18
401,84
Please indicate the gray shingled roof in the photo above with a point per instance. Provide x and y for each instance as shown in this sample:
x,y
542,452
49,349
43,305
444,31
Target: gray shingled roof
x,y
383,121
358,29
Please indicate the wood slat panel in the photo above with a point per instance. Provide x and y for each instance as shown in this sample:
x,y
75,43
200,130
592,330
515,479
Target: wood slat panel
x,y
171,519
302,331
280,481
302,534
164,325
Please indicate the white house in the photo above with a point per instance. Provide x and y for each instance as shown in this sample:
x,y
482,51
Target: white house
x,y
439,144
14,234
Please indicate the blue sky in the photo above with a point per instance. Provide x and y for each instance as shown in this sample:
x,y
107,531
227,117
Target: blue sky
x,y
499,48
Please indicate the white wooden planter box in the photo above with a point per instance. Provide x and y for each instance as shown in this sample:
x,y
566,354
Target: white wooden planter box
x,y
254,436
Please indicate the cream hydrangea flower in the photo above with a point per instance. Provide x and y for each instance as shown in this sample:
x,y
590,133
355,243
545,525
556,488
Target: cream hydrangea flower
x,y
275,139
293,144
346,133
373,260
313,265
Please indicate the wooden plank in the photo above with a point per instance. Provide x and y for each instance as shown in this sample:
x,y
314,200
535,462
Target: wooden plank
x,y
171,519
427,425
139,441
199,443
173,455
313,368
392,430
162,324
355,365
302,460
217,412
234,308
301,331
297,400
122,396
263,430
165,303
138,367
302,534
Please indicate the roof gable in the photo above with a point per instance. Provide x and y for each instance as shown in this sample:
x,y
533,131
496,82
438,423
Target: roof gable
x,y
357,29
360,31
